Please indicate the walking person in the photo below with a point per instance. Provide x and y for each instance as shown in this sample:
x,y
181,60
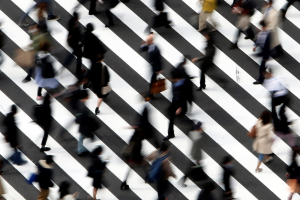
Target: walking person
x,y
64,193
154,58
110,4
92,9
245,9
293,173
264,139
210,51
206,193
162,161
44,119
45,176
227,173
208,7
1,44
285,8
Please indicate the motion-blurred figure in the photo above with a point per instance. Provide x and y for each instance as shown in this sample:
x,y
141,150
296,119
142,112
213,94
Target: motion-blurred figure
x,y
44,119
154,58
1,44
210,51
98,76
264,139
45,176
96,170
161,169
41,4
293,173
206,193
64,193
182,94
1,166
110,4
92,10
285,8
74,41
246,9
263,41
208,7
271,18
228,171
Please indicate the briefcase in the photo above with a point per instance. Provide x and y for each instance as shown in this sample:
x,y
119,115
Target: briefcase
x,y
158,86
24,58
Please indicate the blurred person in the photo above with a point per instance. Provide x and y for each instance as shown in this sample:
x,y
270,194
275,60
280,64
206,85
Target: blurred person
x,y
271,18
279,95
44,119
92,10
210,51
181,89
1,44
285,8
45,176
1,166
110,4
96,170
38,39
2,191
98,76
181,67
264,139
245,9
228,171
293,174
206,193
208,7
47,5
154,58
263,41
74,41
161,169
64,192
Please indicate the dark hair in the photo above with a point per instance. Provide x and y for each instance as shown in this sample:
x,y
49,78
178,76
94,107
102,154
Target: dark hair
x,y
14,109
176,74
271,2
164,147
49,159
196,126
227,159
209,186
262,23
75,16
266,117
64,189
89,27
97,151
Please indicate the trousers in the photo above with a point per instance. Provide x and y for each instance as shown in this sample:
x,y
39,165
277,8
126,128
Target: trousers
x,y
43,194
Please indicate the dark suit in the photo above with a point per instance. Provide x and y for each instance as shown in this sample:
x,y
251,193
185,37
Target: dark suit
x,y
11,130
154,58
97,78
159,5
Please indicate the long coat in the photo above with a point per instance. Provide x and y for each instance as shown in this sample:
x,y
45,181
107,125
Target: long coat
x,y
264,138
97,78
11,130
92,46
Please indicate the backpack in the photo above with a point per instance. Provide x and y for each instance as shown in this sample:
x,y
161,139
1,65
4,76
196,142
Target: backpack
x,y
47,68
156,172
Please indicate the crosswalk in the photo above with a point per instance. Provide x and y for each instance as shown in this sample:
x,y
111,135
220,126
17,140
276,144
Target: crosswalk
x,y
228,107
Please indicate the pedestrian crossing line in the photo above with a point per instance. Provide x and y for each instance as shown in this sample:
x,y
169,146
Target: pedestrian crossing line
x,y
61,157
10,192
26,169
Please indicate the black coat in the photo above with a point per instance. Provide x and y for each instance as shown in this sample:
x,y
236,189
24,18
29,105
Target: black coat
x,y
45,175
228,171
154,58
182,94
74,36
11,130
96,76
99,167
92,46
210,51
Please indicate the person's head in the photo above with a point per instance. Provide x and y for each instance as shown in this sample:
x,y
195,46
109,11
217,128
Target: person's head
x,y
83,95
164,147
13,109
227,160
197,126
64,189
209,187
98,151
75,17
150,38
49,160
263,24
176,75
89,27
266,117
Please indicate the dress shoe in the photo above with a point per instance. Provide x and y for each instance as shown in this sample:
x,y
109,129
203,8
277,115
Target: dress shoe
x,y
168,137
109,25
124,186
45,149
201,88
257,82
97,111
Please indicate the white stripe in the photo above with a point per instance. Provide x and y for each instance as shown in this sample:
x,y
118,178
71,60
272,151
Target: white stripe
x,y
10,192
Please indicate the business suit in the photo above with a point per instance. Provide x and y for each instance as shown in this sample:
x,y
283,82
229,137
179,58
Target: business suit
x,y
154,58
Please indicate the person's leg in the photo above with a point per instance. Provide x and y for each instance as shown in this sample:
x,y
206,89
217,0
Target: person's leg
x,y
78,54
46,133
153,79
260,159
204,68
43,194
262,69
109,17
1,58
39,93
172,114
161,189
50,8
92,7
80,144
275,102
291,196
202,20
23,18
250,33
95,193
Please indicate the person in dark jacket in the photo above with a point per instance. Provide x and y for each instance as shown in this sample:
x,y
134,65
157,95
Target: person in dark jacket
x,y
45,176
210,51
206,193
1,44
74,41
110,4
154,58
92,10
98,168
11,133
64,193
181,89
228,171
45,120
293,174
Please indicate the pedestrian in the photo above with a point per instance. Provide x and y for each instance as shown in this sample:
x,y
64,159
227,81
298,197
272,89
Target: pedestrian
x,y
2,42
161,169
44,119
207,63
75,42
285,8
154,58
45,176
279,95
206,193
293,174
2,191
98,76
46,5
1,166
96,170
208,7
64,192
245,9
92,10
263,41
110,4
227,173
264,139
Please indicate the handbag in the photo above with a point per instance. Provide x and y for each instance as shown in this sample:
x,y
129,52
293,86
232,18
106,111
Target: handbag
x,y
105,89
158,86
25,58
197,174
252,133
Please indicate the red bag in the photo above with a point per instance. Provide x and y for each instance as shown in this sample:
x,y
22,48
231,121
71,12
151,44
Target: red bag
x,y
252,133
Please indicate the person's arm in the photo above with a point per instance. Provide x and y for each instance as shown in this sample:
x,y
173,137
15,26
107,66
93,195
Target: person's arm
x,y
144,46
151,156
166,165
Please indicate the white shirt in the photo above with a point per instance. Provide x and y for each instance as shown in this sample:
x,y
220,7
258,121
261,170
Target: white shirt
x,y
273,84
